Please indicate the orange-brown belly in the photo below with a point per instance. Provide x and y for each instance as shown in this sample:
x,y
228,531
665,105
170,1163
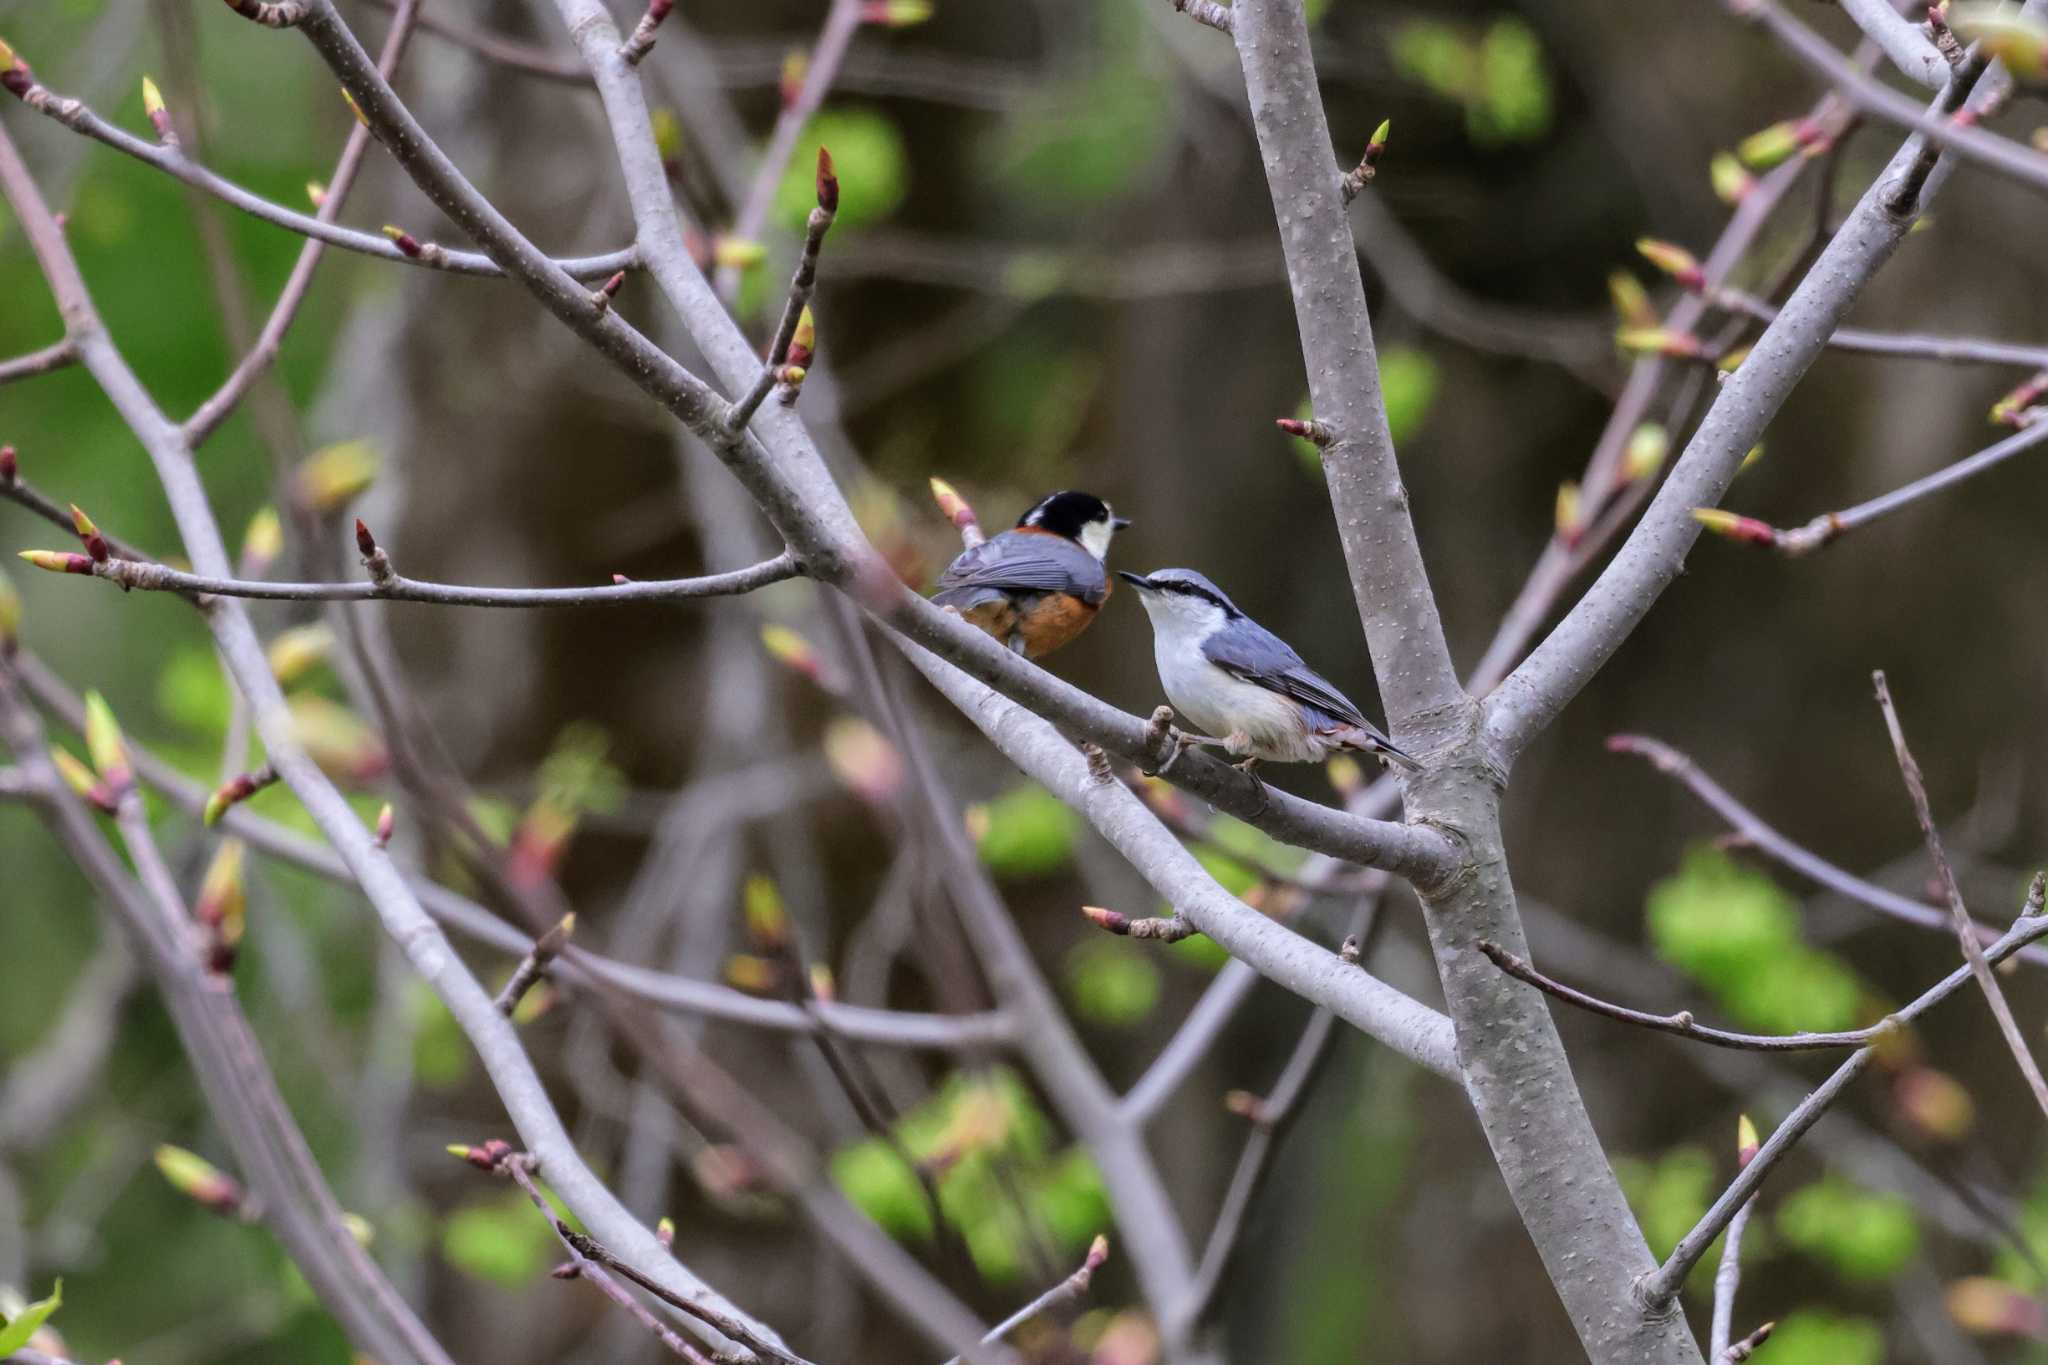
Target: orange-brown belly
x,y
1044,624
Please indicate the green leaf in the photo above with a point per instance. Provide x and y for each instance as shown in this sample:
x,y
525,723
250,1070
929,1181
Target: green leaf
x,y
1112,981
1030,833
503,1240
1863,1235
1810,1338
884,1188
873,167
23,1325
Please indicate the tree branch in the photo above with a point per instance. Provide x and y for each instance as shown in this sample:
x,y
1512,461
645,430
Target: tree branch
x,y
1828,527
498,1046
54,357
1681,1023
1388,580
1902,42
1973,952
1592,630
226,1058
150,576
74,114
1071,1288
1661,1287
1776,846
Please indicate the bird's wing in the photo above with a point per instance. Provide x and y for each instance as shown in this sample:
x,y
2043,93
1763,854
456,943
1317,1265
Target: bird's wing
x,y
1247,650
1020,562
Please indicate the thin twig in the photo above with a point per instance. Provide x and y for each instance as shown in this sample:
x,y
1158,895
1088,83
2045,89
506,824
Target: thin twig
x,y
1873,96
1661,1286
534,965
1745,1348
1207,12
801,286
1768,841
38,362
149,576
1728,1275
1950,350
270,340
1973,952
1828,527
1681,1023
588,1270
75,115
1072,1287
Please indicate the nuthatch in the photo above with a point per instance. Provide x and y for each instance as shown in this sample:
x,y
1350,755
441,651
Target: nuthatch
x,y
1038,585
1241,683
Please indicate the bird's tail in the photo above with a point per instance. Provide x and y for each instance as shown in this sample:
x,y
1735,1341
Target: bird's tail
x,y
1373,742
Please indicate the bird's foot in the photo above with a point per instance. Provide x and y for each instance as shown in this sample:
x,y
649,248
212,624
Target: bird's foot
x,y
1249,767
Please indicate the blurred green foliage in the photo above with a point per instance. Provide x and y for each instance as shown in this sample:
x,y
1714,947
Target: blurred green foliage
x,y
502,1239
1669,1194
1091,138
1812,1338
1408,386
1737,933
1029,832
1001,1182
1111,981
1863,1235
1496,74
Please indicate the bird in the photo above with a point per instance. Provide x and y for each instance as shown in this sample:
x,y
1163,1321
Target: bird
x,y
1230,676
1038,585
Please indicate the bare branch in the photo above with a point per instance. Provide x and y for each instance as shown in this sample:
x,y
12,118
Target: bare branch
x,y
150,576
1973,952
797,307
516,1165
1946,350
1747,1347
1661,1287
1829,527
1769,841
578,966
75,115
270,13
534,965
1362,1000
1389,584
1207,12
1680,1023
1651,557
642,42
228,1061
270,340
496,1042
50,358
1904,45
1067,1290
1728,1276
1944,130
821,70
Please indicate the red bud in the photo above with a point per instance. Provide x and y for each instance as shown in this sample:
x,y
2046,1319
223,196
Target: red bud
x,y
10,465
828,183
365,542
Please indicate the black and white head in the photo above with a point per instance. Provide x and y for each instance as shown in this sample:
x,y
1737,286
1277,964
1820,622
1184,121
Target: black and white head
x,y
1181,601
1080,517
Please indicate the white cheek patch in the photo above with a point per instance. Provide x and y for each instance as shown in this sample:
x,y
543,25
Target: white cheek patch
x,y
1095,538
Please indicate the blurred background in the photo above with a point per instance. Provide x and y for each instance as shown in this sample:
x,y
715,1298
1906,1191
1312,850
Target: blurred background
x,y
1055,266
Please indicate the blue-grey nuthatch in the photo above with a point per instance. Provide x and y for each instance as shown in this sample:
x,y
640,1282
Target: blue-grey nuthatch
x,y
1038,585
1243,685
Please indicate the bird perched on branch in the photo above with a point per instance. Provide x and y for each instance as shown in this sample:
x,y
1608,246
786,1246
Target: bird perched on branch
x,y
1039,584
1230,676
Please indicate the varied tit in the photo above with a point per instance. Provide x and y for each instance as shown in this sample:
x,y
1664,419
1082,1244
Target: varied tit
x,y
1231,677
1038,585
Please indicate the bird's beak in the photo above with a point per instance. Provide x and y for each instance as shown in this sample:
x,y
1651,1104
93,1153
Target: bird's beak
x,y
1119,523
1136,580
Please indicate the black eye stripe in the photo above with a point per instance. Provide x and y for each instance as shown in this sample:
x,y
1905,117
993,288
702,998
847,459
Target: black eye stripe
x,y
1194,590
